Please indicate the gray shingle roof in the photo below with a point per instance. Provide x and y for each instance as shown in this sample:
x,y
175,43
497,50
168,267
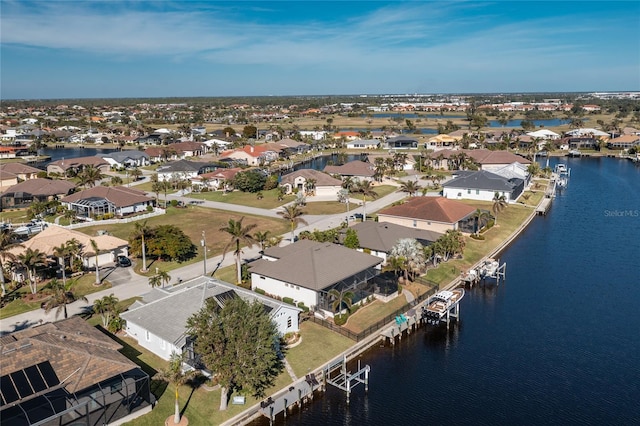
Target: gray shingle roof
x,y
313,265
483,180
165,311
382,236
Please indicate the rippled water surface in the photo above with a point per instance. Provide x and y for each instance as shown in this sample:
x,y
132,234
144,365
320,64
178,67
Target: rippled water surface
x,y
558,343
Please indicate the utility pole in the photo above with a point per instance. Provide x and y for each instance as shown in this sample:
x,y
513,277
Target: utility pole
x,y
203,243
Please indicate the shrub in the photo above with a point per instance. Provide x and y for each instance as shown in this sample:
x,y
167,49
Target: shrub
x,y
341,319
288,300
477,237
174,203
260,291
149,208
303,307
399,289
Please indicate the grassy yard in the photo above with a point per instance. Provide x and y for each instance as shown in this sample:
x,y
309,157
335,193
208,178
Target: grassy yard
x,y
14,216
324,207
370,314
20,304
193,220
508,221
269,200
319,345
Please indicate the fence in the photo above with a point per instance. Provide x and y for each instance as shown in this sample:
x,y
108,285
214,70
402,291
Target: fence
x,y
379,324
156,212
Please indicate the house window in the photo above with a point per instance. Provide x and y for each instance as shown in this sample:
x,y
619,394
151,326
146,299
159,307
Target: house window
x,y
147,335
116,387
297,287
289,322
468,191
415,223
477,192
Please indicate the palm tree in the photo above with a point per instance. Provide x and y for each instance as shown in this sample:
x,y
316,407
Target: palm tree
x,y
96,250
262,238
238,233
499,204
141,229
155,281
365,188
62,295
177,377
293,214
339,297
7,242
310,186
135,173
75,251
410,186
116,180
31,259
413,253
89,176
480,216
106,307
61,252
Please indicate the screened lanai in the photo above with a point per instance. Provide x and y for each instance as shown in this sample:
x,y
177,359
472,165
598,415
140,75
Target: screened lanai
x,y
92,206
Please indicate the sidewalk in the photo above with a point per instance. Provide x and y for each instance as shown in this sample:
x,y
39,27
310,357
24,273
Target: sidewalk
x,y
139,285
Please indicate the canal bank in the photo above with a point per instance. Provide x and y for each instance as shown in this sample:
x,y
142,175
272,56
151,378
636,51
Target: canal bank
x,y
545,347
254,413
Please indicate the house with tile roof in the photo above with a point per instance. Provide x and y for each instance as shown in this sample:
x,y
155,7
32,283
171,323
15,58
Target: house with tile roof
x,y
158,321
486,159
29,191
217,180
436,214
306,271
99,200
378,238
482,185
22,171
76,165
68,372
312,182
54,236
356,169
253,155
363,144
624,142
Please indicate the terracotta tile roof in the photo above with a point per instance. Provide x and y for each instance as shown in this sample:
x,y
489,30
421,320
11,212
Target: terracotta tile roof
x,y
79,161
18,168
485,156
54,236
437,209
120,196
220,174
42,187
77,352
382,236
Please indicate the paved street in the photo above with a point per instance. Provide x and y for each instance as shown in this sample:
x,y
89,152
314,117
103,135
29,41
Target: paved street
x,y
127,284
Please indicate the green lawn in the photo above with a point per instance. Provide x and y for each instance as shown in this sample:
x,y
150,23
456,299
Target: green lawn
x,y
21,303
319,345
193,220
324,207
14,216
508,221
269,200
370,314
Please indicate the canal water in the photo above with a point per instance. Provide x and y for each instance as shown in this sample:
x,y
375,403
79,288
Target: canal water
x,y
557,343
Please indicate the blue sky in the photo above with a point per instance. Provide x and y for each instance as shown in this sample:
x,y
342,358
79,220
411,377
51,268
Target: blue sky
x,y
73,49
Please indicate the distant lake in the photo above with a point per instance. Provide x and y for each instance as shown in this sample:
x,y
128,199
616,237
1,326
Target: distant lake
x,y
75,152
551,122
413,115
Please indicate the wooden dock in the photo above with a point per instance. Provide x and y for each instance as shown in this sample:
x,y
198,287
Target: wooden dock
x,y
544,206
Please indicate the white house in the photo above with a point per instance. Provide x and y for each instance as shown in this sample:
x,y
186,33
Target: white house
x,y
123,159
482,185
363,144
544,134
306,271
101,200
158,321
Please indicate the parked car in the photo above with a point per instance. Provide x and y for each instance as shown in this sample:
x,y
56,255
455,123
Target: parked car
x,y
123,261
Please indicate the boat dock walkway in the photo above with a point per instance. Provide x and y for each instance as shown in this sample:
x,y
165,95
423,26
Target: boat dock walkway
x,y
544,206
